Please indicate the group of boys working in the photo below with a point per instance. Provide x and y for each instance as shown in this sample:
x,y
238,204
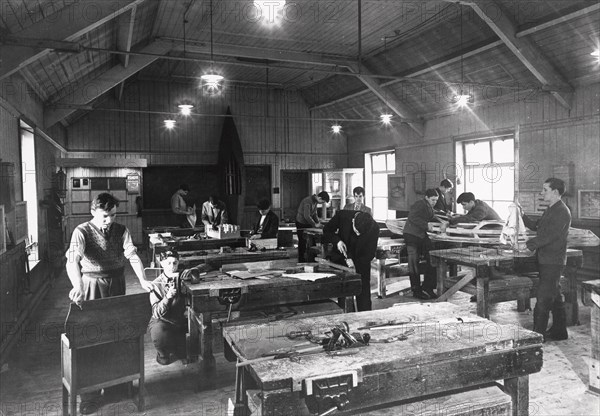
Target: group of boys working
x,y
549,245
100,247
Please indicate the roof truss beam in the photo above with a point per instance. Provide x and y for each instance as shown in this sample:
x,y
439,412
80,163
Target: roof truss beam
x,y
60,26
397,106
85,94
523,48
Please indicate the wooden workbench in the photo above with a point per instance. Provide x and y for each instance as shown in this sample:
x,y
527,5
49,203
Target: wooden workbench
x,y
592,288
213,296
482,259
216,259
449,349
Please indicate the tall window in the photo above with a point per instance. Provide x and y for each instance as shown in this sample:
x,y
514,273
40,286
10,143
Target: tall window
x,y
28,172
377,168
488,170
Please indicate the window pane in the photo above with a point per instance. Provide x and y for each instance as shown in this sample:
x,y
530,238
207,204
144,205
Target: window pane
x,y
391,162
380,184
380,208
503,151
504,185
379,162
478,152
478,183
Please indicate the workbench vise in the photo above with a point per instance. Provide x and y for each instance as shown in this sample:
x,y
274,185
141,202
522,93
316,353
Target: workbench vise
x,y
328,394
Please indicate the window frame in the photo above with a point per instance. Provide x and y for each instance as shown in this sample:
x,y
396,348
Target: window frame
x,y
463,164
369,188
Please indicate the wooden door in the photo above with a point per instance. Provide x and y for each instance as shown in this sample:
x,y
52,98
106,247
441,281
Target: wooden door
x,y
294,187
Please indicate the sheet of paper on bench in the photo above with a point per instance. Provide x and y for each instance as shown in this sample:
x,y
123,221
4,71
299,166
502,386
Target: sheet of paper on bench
x,y
309,276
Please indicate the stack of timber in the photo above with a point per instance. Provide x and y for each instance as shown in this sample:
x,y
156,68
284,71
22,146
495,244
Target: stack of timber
x,y
489,232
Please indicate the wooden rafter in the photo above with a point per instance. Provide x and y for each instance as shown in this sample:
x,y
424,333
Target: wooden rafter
x,y
103,83
523,48
124,39
58,27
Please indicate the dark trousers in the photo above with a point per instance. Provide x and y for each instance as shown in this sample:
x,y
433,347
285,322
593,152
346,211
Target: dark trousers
x,y
182,221
416,248
168,338
549,298
363,301
301,241
104,287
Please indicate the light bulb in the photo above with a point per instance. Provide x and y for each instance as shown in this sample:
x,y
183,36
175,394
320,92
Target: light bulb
x,y
270,12
211,83
169,124
336,128
386,118
185,109
462,99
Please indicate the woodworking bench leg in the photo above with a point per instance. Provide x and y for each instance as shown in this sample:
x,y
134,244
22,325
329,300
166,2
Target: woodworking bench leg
x,y
206,343
483,297
518,389
193,336
381,288
571,300
347,304
241,399
74,386
141,401
65,400
441,273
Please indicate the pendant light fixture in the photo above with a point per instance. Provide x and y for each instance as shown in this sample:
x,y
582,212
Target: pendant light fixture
x,y
386,117
462,98
185,108
211,83
169,122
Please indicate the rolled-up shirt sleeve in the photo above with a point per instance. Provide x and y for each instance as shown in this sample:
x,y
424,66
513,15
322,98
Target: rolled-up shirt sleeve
x,y
77,245
129,249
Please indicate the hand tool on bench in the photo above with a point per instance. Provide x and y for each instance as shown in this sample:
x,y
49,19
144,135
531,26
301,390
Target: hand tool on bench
x,y
334,265
281,353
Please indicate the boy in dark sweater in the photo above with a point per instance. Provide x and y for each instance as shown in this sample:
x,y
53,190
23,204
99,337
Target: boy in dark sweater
x,y
550,246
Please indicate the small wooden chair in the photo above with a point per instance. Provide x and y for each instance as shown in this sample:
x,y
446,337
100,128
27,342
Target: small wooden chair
x,y
103,345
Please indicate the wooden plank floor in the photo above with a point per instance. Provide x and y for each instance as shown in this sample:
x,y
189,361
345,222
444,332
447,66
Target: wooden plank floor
x,y
30,381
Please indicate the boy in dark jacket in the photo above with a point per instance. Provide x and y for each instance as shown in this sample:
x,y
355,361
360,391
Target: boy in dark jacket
x,y
354,236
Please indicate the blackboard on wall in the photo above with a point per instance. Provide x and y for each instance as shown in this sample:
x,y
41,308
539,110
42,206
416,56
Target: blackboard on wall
x,y
161,182
258,184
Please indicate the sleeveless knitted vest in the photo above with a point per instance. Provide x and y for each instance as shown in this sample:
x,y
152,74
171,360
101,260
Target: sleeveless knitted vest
x,y
102,254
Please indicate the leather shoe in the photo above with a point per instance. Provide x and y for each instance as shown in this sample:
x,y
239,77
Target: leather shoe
x,y
431,294
419,294
556,335
162,360
473,298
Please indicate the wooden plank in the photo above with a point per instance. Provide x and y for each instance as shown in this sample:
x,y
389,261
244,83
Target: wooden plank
x,y
76,162
455,288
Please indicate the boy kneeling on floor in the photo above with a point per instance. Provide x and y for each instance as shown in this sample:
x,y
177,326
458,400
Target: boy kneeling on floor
x,y
168,325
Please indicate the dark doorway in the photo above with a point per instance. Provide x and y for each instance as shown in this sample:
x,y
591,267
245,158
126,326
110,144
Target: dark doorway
x,y
294,187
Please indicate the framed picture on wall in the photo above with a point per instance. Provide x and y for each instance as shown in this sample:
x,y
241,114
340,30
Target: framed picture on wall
x,y
133,183
588,203
397,192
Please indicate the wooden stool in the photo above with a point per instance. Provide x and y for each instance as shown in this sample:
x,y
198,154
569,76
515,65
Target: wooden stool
x,y
103,345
